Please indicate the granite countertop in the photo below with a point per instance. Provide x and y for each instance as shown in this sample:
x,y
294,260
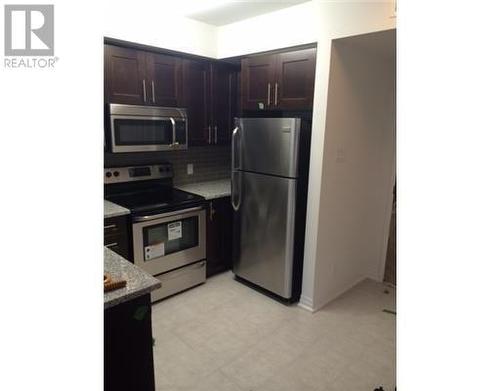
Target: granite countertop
x,y
113,210
138,281
209,190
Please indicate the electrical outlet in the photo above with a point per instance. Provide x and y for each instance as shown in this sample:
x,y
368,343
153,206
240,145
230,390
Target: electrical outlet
x,y
190,169
340,155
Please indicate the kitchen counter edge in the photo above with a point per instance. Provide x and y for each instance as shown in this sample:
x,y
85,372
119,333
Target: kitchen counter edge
x,y
113,210
139,282
209,190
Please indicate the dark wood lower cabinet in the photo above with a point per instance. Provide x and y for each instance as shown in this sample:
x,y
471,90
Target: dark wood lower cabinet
x,y
116,235
128,346
219,235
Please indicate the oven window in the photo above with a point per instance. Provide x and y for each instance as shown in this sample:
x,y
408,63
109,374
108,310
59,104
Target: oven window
x,y
142,132
170,237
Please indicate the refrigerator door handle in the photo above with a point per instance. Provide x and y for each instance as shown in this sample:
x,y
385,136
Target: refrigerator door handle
x,y
235,190
233,147
235,187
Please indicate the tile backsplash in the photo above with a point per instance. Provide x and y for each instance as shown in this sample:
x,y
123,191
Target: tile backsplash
x,y
209,163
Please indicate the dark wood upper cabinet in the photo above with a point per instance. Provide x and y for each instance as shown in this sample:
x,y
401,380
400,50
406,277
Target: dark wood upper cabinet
x,y
124,75
278,81
141,78
257,80
196,92
210,96
224,100
164,79
294,88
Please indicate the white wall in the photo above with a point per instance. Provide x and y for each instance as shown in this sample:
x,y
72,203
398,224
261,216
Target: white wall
x,y
304,23
156,24
358,166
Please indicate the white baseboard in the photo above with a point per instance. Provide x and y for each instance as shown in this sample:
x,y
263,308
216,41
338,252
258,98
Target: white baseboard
x,y
328,300
306,303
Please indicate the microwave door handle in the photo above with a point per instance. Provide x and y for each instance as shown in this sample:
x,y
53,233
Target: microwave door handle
x,y
173,131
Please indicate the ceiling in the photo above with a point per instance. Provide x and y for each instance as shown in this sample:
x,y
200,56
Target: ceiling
x,y
226,12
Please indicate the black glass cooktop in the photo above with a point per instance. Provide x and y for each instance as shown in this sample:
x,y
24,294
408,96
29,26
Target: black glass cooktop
x,y
157,199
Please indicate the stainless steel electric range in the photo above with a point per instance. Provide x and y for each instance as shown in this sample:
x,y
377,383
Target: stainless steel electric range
x,y
167,225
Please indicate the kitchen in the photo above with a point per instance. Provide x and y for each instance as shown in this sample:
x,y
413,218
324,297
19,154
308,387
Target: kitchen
x,y
192,228
206,176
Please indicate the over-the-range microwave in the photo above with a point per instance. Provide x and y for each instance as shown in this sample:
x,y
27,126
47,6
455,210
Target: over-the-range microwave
x,y
134,128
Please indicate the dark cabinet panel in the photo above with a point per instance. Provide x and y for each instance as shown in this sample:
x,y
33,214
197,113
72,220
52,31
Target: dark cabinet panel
x,y
128,346
257,81
294,88
278,81
164,79
219,236
224,79
116,235
124,75
196,85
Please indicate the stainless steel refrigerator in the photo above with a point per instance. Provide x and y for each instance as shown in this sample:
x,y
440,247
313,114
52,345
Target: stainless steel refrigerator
x,y
270,160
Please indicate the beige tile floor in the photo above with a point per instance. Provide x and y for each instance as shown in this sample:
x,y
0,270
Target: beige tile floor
x,y
224,336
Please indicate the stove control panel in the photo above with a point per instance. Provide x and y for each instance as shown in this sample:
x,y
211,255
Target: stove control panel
x,y
137,173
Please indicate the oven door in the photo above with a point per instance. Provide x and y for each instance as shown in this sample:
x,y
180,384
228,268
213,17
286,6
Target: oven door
x,y
141,134
170,240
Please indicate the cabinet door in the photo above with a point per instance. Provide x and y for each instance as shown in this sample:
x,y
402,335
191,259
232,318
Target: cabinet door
x,y
116,236
224,101
124,75
294,88
257,82
219,236
164,80
196,84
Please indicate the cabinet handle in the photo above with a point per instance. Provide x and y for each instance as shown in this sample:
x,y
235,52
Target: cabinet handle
x,y
212,211
111,245
153,90
276,94
110,226
209,134
144,90
215,134
269,94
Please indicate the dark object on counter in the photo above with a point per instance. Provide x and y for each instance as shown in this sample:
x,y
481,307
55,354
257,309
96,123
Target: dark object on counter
x,y
111,285
128,346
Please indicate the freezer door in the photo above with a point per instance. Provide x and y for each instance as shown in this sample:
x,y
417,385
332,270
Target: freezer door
x,y
269,145
265,231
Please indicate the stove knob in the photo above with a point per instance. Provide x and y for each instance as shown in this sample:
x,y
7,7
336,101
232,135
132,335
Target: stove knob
x,y
116,173
108,174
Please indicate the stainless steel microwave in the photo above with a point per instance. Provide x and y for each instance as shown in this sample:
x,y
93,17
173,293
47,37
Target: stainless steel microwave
x,y
147,128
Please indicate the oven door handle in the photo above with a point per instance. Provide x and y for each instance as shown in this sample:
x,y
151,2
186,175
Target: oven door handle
x,y
137,219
